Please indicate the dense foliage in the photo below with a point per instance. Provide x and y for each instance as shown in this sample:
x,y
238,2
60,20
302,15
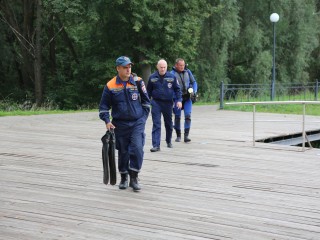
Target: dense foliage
x,y
62,52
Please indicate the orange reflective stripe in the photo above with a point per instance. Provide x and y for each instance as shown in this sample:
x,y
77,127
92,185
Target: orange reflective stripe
x,y
112,84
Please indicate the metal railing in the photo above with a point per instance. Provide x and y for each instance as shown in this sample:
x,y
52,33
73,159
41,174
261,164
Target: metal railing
x,y
261,92
304,103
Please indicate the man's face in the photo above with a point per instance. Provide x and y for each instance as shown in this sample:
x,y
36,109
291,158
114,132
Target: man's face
x,y
180,66
124,72
162,67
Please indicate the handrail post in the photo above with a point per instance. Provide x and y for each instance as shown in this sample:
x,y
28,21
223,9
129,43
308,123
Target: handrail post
x,y
303,127
221,94
316,90
254,125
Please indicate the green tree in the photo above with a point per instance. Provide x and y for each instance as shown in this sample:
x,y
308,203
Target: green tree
x,y
18,22
148,30
236,43
298,35
218,31
63,51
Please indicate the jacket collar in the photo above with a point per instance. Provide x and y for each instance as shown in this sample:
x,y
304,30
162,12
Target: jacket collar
x,y
131,81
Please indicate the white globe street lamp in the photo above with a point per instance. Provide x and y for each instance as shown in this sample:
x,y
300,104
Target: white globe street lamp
x,y
274,17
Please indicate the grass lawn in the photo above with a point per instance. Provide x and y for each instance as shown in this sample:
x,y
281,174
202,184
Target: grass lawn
x,y
38,112
312,109
282,109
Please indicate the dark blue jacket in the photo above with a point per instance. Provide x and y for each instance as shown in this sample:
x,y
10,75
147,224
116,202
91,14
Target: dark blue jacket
x,y
128,103
163,88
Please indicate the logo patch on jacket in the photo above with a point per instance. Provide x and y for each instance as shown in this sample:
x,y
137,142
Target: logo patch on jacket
x,y
169,85
134,96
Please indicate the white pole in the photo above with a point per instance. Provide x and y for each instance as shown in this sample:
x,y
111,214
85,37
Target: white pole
x,y
303,127
254,125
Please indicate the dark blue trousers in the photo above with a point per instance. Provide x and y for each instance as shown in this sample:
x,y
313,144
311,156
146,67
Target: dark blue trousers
x,y
130,139
158,108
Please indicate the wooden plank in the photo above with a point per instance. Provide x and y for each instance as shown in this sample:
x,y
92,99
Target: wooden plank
x,y
216,187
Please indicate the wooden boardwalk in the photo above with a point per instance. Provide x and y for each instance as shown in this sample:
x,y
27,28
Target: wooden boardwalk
x,y
217,187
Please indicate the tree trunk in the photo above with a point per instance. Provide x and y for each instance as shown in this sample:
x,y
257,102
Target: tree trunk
x,y
38,82
146,72
26,44
145,69
52,47
23,37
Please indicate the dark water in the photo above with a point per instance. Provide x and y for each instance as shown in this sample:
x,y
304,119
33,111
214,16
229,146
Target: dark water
x,y
296,139
314,144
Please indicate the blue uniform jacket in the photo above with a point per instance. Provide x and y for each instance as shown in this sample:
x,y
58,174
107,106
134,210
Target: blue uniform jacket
x,y
163,88
128,103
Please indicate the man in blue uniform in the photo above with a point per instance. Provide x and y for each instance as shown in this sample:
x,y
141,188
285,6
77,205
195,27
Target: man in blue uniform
x,y
162,88
189,89
127,96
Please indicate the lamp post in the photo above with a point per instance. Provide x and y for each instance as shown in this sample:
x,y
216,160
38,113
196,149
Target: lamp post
x,y
274,17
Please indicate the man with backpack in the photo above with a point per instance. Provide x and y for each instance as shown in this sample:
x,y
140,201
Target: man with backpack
x,y
189,89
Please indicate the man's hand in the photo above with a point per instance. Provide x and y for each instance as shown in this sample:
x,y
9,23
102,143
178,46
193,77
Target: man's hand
x,y
179,105
109,126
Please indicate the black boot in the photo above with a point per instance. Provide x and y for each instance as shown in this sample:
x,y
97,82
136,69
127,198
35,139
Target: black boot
x,y
134,181
177,125
178,139
124,181
155,149
186,134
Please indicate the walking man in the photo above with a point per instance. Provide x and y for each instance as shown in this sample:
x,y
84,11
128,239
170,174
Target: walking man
x,y
189,89
127,96
162,88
